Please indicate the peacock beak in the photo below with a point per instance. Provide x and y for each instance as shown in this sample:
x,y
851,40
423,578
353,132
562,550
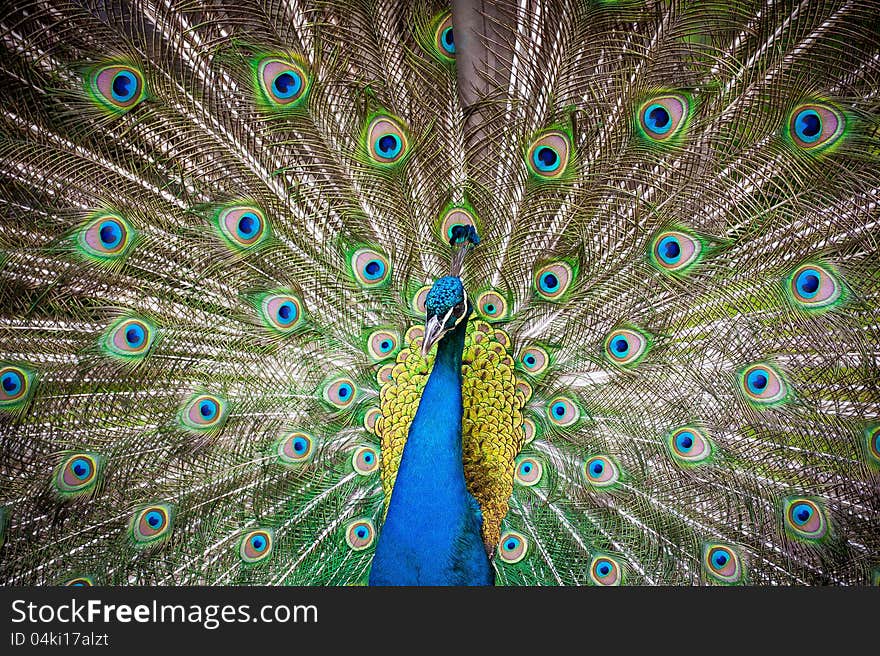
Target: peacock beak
x,y
433,332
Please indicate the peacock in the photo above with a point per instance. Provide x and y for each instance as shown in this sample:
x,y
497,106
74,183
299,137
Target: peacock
x,y
389,292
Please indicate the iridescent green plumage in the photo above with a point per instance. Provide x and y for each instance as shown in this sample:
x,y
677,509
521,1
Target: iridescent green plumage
x,y
220,226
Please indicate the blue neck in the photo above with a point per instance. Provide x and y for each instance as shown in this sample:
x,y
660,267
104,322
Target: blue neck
x,y
431,534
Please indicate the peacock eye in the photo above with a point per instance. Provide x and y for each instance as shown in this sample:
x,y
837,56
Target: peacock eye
x,y
117,87
553,280
512,547
688,446
528,472
204,412
815,126
605,570
722,563
662,117
359,534
283,83
242,226
76,474
548,155
492,306
340,393
386,141
295,448
674,251
763,385
281,312
601,472
562,411
365,460
128,338
255,546
813,287
444,38
151,524
105,238
370,268
805,519
15,384
625,347
535,360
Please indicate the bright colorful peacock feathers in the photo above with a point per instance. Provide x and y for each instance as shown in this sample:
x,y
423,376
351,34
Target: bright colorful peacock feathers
x,y
221,224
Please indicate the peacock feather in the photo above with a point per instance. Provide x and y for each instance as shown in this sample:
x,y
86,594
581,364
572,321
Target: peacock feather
x,y
544,292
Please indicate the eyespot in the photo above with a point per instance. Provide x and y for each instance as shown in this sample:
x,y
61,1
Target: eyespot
x,y
359,534
601,472
370,418
117,87
242,226
15,386
382,344
722,563
553,280
371,269
813,287
524,389
674,251
281,312
151,524
365,460
548,155
77,473
452,217
385,374
814,126
562,411
529,430
605,570
419,299
295,448
492,306
80,582
625,347
128,338
528,471
688,446
534,360
340,393
512,547
872,443
255,546
204,412
662,117
283,83
763,385
443,39
387,144
105,238
805,519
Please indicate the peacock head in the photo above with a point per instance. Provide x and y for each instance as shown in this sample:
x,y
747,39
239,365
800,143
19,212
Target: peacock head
x,y
447,304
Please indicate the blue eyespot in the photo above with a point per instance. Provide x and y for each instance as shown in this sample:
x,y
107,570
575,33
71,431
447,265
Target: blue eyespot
x,y
559,409
808,282
12,383
657,119
287,313
134,335
545,158
720,558
757,381
447,40
286,85
684,441
110,234
549,282
388,145
208,409
620,346
801,514
597,468
258,542
155,519
808,125
248,225
125,86
669,250
344,391
374,269
81,468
